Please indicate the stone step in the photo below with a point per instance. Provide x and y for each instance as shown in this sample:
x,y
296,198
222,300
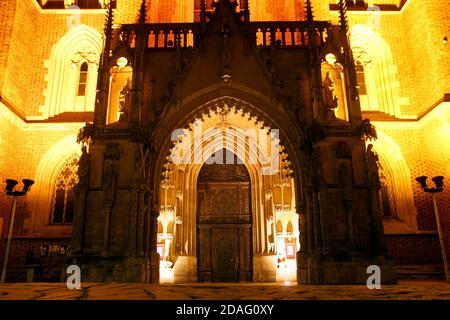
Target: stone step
x,y
420,272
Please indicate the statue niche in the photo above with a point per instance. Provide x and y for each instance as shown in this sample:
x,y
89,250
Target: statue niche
x,y
335,106
120,95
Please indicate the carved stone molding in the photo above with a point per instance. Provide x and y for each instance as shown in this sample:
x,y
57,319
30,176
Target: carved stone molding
x,y
85,54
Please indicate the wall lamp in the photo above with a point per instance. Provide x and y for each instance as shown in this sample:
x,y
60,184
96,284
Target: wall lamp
x,y
439,187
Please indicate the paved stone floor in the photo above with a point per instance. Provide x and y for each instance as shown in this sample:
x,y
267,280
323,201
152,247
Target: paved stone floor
x,y
405,290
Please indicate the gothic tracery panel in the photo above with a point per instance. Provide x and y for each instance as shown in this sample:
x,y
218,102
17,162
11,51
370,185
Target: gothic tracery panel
x,y
63,199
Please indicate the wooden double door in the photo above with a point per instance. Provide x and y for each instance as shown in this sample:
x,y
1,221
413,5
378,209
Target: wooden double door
x,y
224,232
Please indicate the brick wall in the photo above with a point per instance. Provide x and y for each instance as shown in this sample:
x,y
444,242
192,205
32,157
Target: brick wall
x,y
425,25
24,145
7,10
414,249
51,266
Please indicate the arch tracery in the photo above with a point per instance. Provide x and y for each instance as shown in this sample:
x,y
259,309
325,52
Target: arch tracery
x,y
225,124
79,48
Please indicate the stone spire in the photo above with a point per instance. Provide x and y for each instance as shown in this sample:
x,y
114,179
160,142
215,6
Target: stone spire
x,y
109,21
103,72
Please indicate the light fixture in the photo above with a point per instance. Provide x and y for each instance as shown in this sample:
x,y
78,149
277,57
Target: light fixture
x,y
331,59
445,40
10,184
422,180
439,182
122,62
27,183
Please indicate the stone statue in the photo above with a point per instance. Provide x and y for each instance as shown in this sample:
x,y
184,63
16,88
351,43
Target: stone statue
x,y
83,168
368,130
331,100
124,101
373,177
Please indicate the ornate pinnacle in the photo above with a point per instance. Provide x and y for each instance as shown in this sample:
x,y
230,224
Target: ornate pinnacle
x,y
309,12
143,12
246,11
343,16
109,20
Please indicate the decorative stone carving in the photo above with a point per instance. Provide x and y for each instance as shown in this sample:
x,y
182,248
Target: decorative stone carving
x,y
125,101
224,173
368,131
154,214
83,169
226,52
104,3
85,54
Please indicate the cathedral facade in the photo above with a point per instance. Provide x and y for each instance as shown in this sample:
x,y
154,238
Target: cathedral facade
x,y
225,141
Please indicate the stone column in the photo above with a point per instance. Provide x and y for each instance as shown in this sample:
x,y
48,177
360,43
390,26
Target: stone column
x,y
81,191
154,256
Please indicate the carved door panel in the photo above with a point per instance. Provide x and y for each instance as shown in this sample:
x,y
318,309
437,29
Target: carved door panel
x,y
225,256
224,236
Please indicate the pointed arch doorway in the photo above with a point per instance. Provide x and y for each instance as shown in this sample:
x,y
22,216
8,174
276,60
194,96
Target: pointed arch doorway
x,y
229,124
224,220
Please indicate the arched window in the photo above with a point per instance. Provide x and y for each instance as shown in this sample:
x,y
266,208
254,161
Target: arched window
x,y
72,73
82,81
64,197
396,193
376,72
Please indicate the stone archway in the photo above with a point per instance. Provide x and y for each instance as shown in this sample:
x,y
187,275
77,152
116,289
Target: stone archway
x,y
225,125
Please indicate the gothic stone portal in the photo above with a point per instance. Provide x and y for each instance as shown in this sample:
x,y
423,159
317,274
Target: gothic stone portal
x,y
229,63
224,233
